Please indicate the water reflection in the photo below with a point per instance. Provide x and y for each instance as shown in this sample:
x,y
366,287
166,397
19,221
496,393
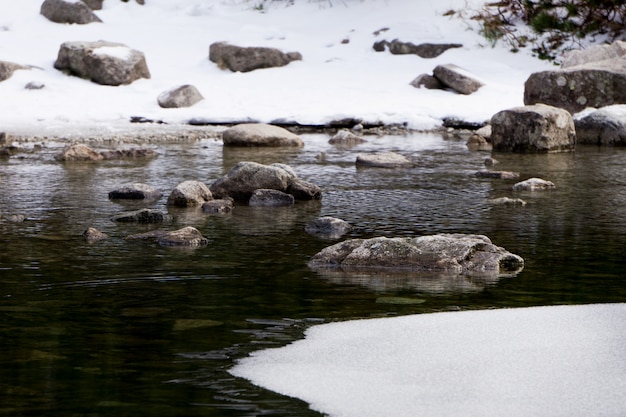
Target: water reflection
x,y
131,328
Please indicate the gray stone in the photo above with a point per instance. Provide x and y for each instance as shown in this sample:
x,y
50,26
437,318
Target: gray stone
x,y
182,96
245,177
34,85
270,198
94,4
594,53
78,153
140,216
345,138
452,253
595,84
102,62
135,191
131,153
537,128
68,11
245,59
189,194
457,78
8,68
260,134
606,126
187,236
423,50
221,206
328,227
428,81
383,160
303,190
533,184
504,175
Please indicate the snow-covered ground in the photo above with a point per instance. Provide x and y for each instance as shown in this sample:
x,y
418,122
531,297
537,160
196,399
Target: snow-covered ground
x,y
334,80
543,361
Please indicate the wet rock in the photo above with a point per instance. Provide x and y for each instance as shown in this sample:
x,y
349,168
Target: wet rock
x,y
141,216
504,175
457,78
537,128
345,138
182,96
8,68
605,127
220,206
478,143
383,160
106,63
68,11
270,198
189,194
93,235
135,191
133,153
453,253
260,134
245,59
303,190
490,162
187,236
533,184
507,201
78,153
328,227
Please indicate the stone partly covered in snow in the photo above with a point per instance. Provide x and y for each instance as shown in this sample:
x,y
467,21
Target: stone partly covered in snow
x,y
383,160
189,194
533,184
182,96
537,128
135,191
260,134
8,68
328,227
246,59
457,78
68,11
102,62
446,253
589,78
605,126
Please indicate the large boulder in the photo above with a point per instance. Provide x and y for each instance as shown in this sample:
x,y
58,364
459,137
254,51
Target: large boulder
x,y
246,177
605,126
449,253
457,78
182,96
537,128
8,68
260,134
102,62
593,79
68,11
189,194
245,59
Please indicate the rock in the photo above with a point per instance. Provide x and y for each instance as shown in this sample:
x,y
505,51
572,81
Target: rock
x,y
537,128
68,11
328,227
260,134
92,235
504,175
270,198
223,205
484,131
594,53
427,81
14,218
187,236
452,253
102,62
606,126
423,50
245,177
477,142
533,184
8,68
189,194
78,153
34,85
94,4
507,201
346,138
135,191
383,160
490,162
5,139
133,153
140,216
457,78
245,59
593,84
303,190
182,96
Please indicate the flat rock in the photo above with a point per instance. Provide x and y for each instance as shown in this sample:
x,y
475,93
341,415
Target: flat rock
x,y
383,160
260,134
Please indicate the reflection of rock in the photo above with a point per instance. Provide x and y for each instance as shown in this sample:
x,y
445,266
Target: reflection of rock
x,y
443,253
261,221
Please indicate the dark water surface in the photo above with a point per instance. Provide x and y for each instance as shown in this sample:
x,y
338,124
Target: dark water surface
x,y
126,328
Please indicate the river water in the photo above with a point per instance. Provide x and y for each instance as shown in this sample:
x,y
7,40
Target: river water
x,y
127,328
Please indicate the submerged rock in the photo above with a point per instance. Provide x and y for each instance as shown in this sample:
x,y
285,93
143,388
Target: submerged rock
x,y
329,227
92,235
135,191
141,216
